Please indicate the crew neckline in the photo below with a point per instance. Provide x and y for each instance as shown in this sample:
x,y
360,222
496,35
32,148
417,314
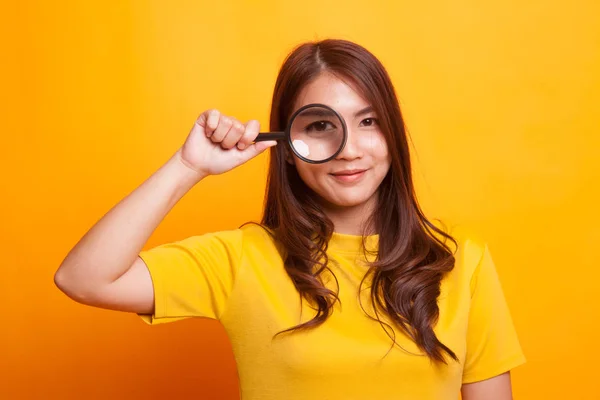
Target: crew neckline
x,y
346,243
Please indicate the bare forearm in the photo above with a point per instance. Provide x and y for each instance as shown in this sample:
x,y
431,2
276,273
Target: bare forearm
x,y
103,269
109,248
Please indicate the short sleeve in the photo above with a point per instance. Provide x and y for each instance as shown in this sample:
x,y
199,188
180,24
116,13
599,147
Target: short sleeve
x,y
492,344
193,277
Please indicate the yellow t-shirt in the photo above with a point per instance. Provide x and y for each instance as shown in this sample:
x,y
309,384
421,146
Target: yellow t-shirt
x,y
238,278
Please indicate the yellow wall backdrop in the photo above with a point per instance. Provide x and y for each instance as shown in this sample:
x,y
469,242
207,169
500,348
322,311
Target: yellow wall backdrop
x,y
501,98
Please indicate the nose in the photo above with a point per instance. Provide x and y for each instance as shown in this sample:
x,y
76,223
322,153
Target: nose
x,y
352,149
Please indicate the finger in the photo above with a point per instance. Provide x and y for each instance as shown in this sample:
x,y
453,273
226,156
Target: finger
x,y
234,135
250,133
212,121
255,149
223,127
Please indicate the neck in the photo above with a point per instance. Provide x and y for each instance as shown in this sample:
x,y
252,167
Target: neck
x,y
350,220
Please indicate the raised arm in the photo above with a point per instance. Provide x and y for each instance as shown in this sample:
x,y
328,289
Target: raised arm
x,y
103,269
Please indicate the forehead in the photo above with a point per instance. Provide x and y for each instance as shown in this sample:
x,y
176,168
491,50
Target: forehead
x,y
332,91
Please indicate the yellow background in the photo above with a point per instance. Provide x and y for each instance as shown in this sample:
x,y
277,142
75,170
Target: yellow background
x,y
501,98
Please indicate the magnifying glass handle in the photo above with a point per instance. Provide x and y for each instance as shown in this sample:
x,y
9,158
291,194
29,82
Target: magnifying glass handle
x,y
262,136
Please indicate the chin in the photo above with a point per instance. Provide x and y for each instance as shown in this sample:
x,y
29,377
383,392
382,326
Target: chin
x,y
349,200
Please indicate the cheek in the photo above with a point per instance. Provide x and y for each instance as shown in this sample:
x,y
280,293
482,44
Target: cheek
x,y
309,173
376,146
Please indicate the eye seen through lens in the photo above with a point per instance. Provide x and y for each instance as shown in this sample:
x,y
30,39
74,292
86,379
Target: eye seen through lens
x,y
317,133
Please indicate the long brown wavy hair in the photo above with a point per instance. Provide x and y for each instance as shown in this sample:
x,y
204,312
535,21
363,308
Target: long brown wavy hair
x,y
413,255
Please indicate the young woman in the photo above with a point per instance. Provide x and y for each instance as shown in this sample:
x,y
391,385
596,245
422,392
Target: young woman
x,y
345,290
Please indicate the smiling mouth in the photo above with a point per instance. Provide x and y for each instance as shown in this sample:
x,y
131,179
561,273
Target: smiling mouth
x,y
348,175
348,172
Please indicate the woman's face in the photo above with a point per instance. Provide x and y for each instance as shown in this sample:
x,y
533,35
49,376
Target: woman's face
x,y
353,177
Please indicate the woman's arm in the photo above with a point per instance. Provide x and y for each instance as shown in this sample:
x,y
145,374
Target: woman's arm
x,y
496,388
103,269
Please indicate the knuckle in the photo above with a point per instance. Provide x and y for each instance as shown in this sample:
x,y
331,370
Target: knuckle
x,y
208,114
254,125
226,121
249,135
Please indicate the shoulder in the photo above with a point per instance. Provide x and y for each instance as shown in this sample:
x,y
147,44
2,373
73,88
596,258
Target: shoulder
x,y
468,248
256,234
235,242
247,234
255,231
258,238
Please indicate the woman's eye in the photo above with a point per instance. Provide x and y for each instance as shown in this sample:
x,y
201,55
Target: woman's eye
x,y
320,126
369,122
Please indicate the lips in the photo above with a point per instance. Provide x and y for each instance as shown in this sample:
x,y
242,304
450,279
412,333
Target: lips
x,y
348,172
348,175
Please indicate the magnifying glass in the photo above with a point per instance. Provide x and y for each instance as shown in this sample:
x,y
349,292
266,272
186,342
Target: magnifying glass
x,y
316,133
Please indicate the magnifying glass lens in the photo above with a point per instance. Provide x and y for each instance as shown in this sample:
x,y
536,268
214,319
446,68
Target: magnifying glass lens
x,y
316,134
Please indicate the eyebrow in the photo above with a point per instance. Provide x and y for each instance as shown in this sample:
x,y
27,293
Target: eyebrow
x,y
316,112
364,111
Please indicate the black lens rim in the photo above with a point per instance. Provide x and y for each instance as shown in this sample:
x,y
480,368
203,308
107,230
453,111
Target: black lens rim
x,y
289,136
